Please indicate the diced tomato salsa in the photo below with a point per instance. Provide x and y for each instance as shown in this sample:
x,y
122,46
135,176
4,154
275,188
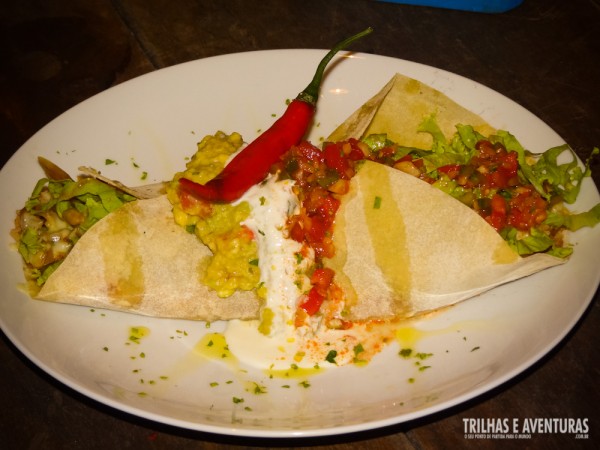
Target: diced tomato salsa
x,y
491,179
321,177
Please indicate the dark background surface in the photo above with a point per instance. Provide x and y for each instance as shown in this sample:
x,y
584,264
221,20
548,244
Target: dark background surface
x,y
543,54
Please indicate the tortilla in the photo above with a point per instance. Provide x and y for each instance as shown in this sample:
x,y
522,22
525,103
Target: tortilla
x,y
419,249
399,109
138,260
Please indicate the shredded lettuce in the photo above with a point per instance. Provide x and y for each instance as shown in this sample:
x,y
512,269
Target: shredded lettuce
x,y
535,242
376,142
548,176
574,222
459,150
29,244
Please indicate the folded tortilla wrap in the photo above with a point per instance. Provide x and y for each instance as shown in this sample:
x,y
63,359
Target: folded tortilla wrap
x,y
137,259
419,251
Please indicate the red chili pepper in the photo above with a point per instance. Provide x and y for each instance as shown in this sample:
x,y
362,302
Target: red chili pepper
x,y
252,164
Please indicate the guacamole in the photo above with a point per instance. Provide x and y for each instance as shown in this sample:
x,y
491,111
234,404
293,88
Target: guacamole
x,y
234,263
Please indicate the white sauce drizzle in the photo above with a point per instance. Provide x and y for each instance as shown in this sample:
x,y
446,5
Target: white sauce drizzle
x,y
272,202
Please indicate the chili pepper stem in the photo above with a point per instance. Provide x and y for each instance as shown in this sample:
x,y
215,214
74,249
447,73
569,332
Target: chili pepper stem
x,y
311,93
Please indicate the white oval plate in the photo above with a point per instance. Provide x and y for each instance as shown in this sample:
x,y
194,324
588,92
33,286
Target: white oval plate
x,y
154,122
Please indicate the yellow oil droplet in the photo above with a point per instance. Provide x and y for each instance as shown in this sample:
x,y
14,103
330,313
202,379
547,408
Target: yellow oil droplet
x,y
254,388
503,254
137,333
214,346
294,371
123,263
409,336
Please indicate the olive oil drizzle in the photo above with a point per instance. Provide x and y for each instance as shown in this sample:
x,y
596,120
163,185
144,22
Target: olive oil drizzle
x,y
385,224
338,262
122,260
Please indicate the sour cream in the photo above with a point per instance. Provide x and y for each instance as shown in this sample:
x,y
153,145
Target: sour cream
x,y
272,339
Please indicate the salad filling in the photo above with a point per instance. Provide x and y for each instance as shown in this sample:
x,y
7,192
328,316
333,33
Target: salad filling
x,y
521,194
56,215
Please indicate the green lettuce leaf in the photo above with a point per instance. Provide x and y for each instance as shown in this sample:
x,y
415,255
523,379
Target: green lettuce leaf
x,y
376,142
535,242
29,244
574,222
459,150
548,176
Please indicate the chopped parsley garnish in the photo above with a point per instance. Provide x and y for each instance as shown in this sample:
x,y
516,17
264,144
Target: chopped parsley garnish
x,y
377,202
358,349
331,356
405,352
258,389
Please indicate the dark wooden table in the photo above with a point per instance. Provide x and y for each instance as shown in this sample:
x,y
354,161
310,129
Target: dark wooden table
x,y
544,54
